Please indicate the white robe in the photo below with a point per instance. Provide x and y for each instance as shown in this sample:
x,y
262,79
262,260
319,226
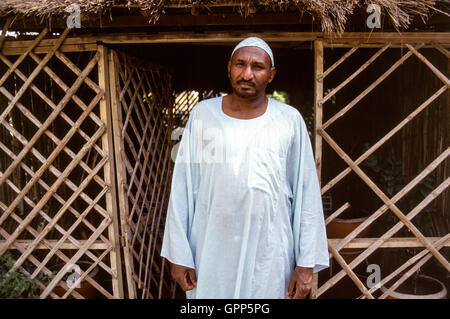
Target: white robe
x,y
245,204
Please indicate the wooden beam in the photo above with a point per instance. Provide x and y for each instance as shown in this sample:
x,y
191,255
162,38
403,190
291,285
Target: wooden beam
x,y
349,272
396,242
318,106
355,74
349,39
338,62
121,180
8,50
339,211
234,36
318,95
109,173
435,70
374,84
23,243
442,50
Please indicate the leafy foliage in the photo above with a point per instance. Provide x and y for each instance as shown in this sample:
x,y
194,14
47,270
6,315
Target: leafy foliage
x,y
15,284
281,96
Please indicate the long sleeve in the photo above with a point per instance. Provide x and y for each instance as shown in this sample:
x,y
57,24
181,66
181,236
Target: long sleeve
x,y
308,225
176,247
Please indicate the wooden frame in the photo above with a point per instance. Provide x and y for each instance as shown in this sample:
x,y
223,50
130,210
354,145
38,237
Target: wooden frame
x,y
92,161
110,169
432,245
142,121
347,40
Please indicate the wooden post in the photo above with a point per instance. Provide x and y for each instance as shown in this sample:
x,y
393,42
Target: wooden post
x,y
318,95
119,152
109,171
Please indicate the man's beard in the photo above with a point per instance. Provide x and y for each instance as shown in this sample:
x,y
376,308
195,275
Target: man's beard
x,y
243,93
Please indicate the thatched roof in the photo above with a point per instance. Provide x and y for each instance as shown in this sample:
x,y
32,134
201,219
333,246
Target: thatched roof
x,y
331,14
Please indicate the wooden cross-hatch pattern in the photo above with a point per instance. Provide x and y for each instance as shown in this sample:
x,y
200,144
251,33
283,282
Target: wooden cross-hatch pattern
x,y
85,161
370,245
142,100
55,170
185,102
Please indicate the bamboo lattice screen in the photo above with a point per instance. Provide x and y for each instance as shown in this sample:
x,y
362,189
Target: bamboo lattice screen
x,y
58,201
142,100
55,170
185,101
435,99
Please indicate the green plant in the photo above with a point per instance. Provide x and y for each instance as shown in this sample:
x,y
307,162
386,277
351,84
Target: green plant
x,y
281,96
16,284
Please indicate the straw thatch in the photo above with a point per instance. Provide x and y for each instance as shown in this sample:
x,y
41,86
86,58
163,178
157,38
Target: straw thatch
x,y
331,14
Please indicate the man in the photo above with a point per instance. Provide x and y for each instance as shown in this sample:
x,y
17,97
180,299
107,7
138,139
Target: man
x,y
245,215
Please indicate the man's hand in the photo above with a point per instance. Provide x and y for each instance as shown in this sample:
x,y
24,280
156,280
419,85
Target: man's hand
x,y
184,276
301,283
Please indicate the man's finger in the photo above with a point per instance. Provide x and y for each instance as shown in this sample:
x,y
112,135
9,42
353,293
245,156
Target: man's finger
x,y
182,280
187,285
290,292
298,292
301,291
192,277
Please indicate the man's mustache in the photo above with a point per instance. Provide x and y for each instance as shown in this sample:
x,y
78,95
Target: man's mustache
x,y
245,82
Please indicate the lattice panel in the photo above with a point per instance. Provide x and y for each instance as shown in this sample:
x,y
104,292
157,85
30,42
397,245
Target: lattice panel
x,y
143,102
54,167
185,102
389,202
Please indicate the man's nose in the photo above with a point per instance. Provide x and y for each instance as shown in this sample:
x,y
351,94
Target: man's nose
x,y
247,73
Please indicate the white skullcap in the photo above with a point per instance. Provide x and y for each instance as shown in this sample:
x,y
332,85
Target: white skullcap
x,y
255,42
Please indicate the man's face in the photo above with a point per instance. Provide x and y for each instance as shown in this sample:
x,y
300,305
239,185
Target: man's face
x,y
250,72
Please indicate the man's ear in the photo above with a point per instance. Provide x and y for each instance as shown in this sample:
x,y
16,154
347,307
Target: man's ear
x,y
273,71
229,68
